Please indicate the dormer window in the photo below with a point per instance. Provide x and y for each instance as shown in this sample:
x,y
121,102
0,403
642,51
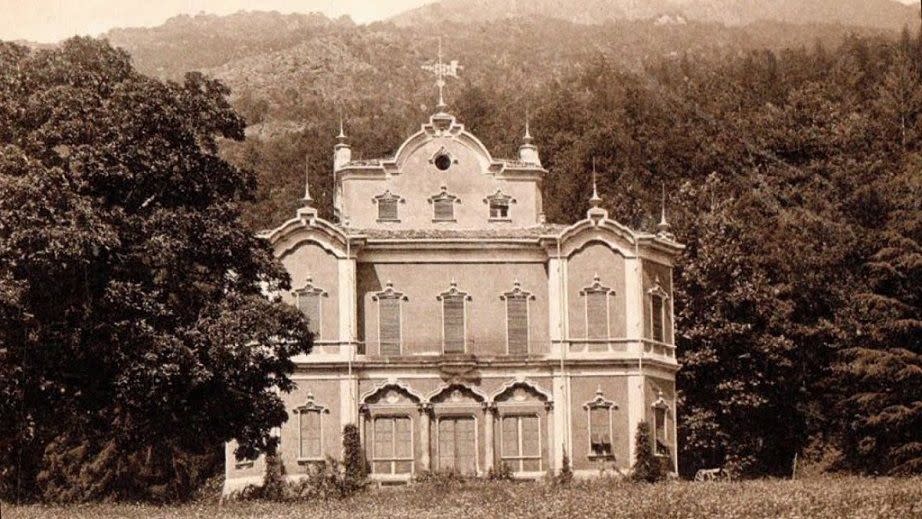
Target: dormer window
x,y
443,206
387,206
499,205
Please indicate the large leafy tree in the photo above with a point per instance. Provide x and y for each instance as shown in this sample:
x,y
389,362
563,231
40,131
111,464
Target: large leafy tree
x,y
135,335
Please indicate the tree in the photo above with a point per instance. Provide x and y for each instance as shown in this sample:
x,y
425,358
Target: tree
x,y
646,467
880,374
135,335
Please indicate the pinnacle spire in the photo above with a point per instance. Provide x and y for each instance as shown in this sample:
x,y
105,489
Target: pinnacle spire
x,y
308,201
527,137
663,228
342,134
596,200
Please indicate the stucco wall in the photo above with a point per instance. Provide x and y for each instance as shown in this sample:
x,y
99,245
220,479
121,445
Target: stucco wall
x,y
419,180
583,389
310,260
326,394
422,313
583,265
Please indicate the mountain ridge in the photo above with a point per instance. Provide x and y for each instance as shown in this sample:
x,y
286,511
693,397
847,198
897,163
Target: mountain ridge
x,y
880,14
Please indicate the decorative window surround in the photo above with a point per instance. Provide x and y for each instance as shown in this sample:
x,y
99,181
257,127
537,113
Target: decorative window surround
x,y
517,298
658,333
302,297
661,413
303,411
600,406
596,294
387,206
450,300
498,204
443,206
386,297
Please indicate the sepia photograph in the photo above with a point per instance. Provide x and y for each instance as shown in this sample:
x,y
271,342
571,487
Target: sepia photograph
x,y
460,259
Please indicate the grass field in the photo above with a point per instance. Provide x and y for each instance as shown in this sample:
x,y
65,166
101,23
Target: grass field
x,y
826,497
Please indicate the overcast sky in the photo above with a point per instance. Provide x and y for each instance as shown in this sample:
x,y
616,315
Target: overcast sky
x,y
49,21
52,20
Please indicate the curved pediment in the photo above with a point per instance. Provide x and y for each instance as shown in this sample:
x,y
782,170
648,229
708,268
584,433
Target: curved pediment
x,y
307,227
450,134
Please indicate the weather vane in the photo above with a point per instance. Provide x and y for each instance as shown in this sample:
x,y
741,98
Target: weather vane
x,y
441,71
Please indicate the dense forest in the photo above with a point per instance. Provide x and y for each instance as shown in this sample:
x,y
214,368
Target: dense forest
x,y
791,158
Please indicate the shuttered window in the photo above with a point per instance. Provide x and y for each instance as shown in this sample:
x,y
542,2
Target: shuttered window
x,y
444,209
389,310
456,444
517,324
597,315
309,420
392,445
499,209
659,430
521,443
600,431
453,316
387,209
309,305
657,317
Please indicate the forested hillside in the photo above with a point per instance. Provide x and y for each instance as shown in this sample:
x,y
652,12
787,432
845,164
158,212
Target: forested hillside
x,y
791,156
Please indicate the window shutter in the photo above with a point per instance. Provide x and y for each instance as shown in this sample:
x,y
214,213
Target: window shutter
x,y
510,436
597,315
531,435
403,441
446,444
453,308
444,209
387,209
660,426
389,310
309,305
517,324
310,434
599,431
657,320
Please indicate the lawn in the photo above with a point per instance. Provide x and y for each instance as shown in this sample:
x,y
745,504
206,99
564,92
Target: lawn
x,y
825,497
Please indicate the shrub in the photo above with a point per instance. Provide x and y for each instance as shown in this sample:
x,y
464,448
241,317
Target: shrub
x,y
566,472
501,473
647,467
356,469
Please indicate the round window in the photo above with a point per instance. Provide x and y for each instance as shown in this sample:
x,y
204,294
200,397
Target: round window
x,y
443,162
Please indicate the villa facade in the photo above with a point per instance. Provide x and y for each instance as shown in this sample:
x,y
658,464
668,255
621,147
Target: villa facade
x,y
460,331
